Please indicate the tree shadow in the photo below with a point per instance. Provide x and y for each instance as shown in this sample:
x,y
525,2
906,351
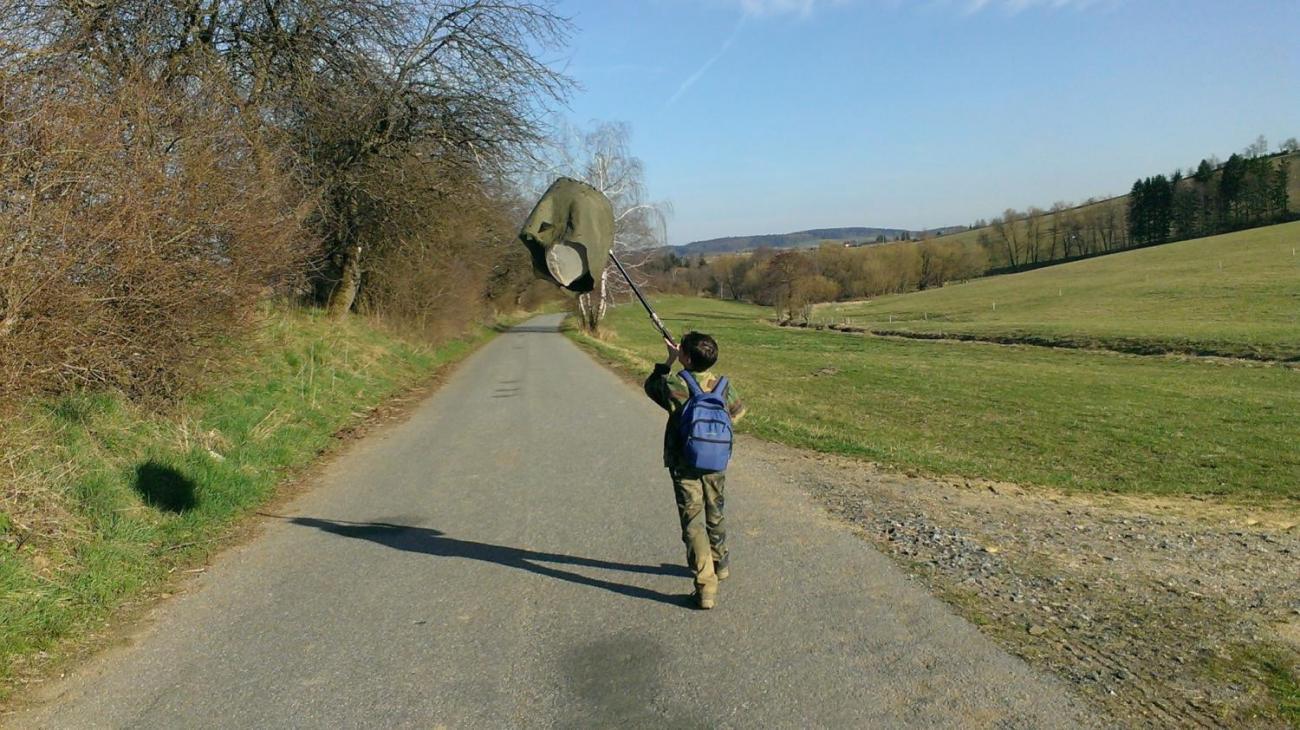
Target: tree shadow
x,y
529,329
434,542
165,488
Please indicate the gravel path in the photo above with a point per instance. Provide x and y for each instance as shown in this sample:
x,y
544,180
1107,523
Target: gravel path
x,y
1162,611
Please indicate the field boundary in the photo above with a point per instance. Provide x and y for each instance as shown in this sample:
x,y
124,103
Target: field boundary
x,y
1143,348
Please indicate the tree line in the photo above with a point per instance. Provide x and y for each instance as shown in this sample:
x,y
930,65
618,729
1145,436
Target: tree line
x,y
1243,192
793,281
166,167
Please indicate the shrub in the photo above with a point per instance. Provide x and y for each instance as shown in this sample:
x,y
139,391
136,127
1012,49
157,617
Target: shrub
x,y
138,228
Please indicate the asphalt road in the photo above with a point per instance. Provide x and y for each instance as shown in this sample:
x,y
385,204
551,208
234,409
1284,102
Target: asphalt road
x,y
509,557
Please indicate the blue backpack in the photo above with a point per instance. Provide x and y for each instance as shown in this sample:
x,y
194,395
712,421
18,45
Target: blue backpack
x,y
705,426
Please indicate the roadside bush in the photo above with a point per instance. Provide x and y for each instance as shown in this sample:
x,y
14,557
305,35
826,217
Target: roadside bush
x,y
138,228
439,238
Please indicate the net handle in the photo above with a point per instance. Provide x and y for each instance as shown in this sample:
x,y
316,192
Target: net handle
x,y
654,317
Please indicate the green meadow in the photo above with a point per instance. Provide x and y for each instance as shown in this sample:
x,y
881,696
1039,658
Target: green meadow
x,y
1073,419
1235,295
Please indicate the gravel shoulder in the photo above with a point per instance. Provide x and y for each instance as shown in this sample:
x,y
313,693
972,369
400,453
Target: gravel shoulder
x,y
1163,612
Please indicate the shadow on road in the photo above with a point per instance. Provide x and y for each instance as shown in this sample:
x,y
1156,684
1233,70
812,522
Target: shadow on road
x,y
434,542
528,328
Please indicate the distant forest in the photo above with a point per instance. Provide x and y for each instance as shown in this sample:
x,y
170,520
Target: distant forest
x,y
1253,188
1243,192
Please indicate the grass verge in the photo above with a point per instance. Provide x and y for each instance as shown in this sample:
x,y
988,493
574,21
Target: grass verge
x,y
1280,675
102,498
1076,420
1273,667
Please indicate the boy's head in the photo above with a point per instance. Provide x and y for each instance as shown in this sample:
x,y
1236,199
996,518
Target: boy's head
x,y
699,352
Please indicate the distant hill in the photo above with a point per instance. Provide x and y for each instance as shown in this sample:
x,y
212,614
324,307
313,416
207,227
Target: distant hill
x,y
799,239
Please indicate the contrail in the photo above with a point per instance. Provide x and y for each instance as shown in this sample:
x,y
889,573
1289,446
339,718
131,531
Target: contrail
x,y
699,73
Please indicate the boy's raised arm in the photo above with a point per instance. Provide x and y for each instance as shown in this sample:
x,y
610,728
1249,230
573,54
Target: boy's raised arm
x,y
656,386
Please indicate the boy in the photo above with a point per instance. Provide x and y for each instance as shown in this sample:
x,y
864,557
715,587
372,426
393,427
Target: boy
x,y
699,494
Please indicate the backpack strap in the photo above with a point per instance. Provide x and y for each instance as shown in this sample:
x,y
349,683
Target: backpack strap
x,y
720,387
691,382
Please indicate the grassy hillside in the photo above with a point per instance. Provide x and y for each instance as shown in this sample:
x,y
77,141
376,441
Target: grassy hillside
x,y
1236,294
100,498
1072,419
1293,182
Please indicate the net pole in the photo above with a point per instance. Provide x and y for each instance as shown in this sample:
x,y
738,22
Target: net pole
x,y
654,317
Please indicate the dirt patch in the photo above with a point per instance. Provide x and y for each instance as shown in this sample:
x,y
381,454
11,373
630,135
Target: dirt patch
x,y
1154,609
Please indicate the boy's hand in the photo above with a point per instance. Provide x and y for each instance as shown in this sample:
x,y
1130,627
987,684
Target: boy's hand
x,y
674,352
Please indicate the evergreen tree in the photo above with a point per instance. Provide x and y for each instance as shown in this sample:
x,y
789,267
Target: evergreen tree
x,y
1160,204
1280,205
1204,172
1137,213
1231,180
1184,213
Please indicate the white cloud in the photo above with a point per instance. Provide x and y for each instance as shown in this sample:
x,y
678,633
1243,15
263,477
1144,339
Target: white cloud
x,y
777,7
1013,7
699,72
804,8
768,8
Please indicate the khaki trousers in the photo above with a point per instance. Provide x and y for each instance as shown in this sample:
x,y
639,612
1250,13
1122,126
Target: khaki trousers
x,y
700,499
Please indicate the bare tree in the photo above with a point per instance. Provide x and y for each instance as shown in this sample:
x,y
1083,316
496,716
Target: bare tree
x,y
729,272
1056,226
1113,225
354,86
781,276
1034,233
1258,148
1006,227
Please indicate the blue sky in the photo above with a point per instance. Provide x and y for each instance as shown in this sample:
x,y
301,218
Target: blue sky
x,y
768,116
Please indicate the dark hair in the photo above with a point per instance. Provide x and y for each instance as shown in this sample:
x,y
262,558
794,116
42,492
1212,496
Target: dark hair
x,y
701,349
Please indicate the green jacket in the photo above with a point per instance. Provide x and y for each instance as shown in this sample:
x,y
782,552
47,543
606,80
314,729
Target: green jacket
x,y
569,234
671,393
